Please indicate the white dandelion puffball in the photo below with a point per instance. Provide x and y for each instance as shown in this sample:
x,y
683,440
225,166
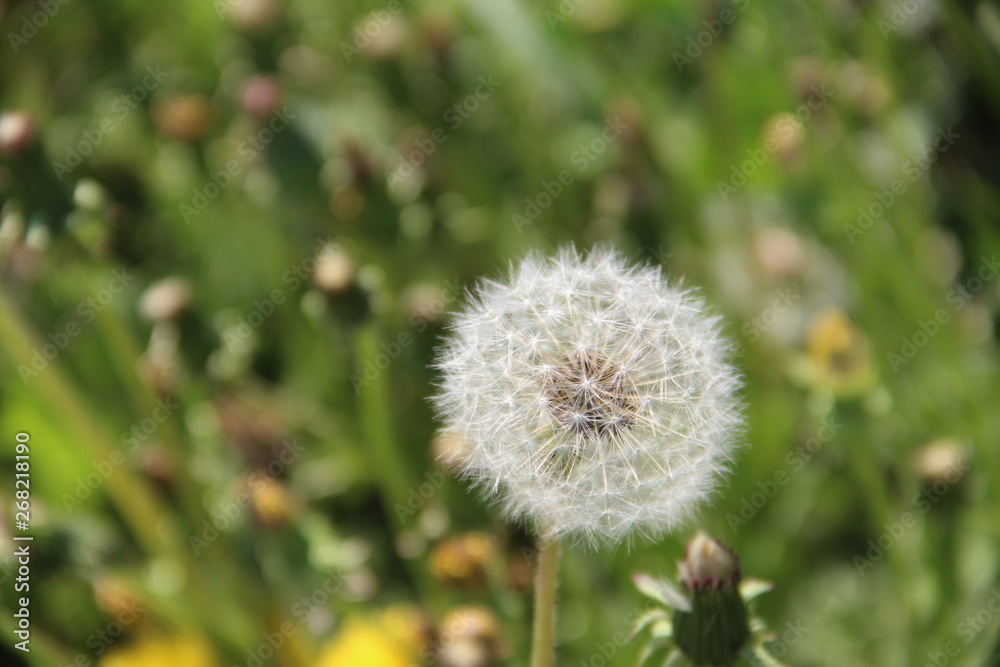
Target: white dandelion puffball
x,y
597,401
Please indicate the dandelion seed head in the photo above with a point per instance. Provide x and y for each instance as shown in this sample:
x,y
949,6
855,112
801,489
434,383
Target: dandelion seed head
x,y
597,399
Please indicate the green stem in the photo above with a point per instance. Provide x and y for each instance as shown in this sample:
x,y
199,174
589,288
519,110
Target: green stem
x,y
546,581
153,526
388,459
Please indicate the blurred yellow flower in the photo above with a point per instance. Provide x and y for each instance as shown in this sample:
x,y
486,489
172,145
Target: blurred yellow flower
x,y
462,560
407,624
393,639
273,505
156,651
839,354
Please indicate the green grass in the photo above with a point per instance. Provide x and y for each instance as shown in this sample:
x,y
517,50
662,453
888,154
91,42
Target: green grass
x,y
653,190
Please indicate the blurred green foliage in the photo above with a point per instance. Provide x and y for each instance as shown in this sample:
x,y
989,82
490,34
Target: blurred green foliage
x,y
327,179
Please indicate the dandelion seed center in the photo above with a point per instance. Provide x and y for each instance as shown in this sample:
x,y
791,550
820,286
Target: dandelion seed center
x,y
591,396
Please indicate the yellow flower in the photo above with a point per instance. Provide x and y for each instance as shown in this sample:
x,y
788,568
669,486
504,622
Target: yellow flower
x,y
153,651
272,504
839,354
390,641
462,560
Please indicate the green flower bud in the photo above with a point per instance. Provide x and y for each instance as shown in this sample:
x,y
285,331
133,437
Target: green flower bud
x,y
717,627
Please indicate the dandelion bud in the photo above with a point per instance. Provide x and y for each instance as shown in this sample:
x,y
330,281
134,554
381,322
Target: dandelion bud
x,y
708,563
942,461
17,132
256,16
596,399
165,299
470,637
184,117
335,270
260,96
716,628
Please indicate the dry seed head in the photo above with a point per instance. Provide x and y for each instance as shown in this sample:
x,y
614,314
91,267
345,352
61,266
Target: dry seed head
x,y
597,399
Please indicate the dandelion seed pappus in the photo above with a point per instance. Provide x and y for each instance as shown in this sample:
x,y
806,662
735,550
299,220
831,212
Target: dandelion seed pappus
x,y
597,399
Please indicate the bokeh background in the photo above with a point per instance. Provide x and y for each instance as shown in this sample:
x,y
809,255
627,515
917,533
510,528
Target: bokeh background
x,y
232,231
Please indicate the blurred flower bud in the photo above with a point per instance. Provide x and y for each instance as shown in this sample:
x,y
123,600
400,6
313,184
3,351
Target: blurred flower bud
x,y
184,117
779,253
941,464
17,132
470,637
254,15
865,91
165,299
159,365
384,34
784,135
261,95
335,270
257,433
271,503
89,195
462,560
806,75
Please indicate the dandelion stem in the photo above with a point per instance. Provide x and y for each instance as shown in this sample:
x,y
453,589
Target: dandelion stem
x,y
546,581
